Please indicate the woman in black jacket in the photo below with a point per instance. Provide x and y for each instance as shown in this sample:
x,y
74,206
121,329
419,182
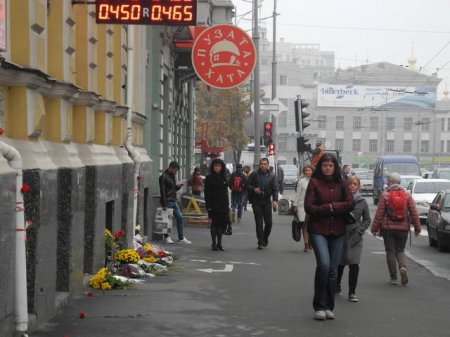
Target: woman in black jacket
x,y
217,203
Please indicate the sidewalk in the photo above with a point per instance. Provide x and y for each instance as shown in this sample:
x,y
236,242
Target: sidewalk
x,y
266,293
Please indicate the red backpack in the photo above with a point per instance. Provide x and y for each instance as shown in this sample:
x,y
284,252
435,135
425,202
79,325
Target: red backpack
x,y
396,206
237,184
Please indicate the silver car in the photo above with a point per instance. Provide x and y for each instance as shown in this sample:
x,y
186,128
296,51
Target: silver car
x,y
424,191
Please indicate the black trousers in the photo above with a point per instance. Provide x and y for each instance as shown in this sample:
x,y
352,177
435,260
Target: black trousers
x,y
352,277
262,211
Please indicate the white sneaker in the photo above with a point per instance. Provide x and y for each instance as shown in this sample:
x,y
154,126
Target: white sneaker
x,y
185,241
320,315
168,240
329,314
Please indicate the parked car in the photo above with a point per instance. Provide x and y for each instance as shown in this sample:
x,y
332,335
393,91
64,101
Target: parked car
x,y
290,175
441,173
438,221
366,182
406,179
424,191
403,165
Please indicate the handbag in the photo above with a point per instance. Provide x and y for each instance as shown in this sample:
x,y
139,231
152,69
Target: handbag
x,y
349,219
296,229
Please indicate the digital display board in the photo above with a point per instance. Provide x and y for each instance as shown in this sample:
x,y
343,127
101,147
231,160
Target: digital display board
x,y
147,12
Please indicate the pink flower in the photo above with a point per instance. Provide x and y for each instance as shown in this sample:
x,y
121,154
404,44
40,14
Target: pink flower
x,y
82,315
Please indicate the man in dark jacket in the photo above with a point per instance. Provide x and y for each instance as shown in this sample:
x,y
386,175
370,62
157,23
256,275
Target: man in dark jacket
x,y
168,189
262,186
237,186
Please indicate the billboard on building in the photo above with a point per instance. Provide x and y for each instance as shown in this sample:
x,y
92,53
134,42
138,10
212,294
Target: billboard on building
x,y
360,96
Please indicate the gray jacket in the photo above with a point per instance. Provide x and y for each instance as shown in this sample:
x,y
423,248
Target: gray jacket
x,y
353,243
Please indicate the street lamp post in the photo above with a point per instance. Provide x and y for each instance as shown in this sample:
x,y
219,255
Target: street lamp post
x,y
256,85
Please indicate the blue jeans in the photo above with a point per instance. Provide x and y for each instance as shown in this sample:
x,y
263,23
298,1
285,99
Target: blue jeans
x,y
236,203
327,250
178,216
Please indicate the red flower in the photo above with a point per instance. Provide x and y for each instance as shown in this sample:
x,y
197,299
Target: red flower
x,y
82,315
1,131
138,177
118,234
161,253
89,294
25,188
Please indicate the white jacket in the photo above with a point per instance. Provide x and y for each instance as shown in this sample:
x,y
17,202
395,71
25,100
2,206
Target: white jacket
x,y
299,201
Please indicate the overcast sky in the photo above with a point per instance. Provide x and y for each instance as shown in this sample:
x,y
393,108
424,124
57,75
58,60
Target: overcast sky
x,y
361,31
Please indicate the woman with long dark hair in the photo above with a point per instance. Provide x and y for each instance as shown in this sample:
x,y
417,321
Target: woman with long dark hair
x,y
328,200
217,202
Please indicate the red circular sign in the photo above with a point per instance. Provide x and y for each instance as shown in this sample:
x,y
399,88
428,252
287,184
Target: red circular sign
x,y
223,56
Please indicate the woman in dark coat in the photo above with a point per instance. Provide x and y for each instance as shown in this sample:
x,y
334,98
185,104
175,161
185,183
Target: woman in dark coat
x,y
353,242
328,199
217,203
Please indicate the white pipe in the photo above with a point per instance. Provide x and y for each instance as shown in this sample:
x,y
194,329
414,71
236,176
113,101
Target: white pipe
x,y
20,291
134,154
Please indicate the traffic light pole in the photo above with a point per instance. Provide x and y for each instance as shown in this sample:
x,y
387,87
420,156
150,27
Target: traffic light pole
x,y
297,105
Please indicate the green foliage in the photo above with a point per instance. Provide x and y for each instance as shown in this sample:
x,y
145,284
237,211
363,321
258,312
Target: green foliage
x,y
225,112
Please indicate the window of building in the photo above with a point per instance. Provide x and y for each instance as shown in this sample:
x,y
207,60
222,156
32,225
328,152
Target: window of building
x,y
357,122
424,146
407,146
356,147
448,146
283,80
282,143
390,146
373,123
322,124
425,124
442,124
339,144
390,123
442,146
408,124
373,145
448,124
282,119
339,122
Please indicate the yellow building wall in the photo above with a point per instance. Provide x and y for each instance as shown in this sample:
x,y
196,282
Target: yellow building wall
x,y
20,33
55,34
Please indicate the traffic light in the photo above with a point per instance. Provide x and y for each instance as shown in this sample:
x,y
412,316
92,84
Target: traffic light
x,y
301,113
304,113
271,149
267,133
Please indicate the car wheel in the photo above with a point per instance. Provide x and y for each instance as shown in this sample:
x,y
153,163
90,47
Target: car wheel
x,y
432,242
440,246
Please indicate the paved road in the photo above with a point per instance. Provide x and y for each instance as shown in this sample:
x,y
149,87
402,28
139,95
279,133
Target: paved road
x,y
247,292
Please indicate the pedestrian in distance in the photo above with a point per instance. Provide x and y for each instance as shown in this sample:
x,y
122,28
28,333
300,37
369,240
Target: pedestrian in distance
x,y
299,203
247,170
353,242
263,194
237,187
216,201
168,189
195,181
396,210
346,169
280,179
328,199
317,153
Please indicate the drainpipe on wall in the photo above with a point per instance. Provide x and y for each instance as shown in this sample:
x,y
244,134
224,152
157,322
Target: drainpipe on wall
x,y
20,292
134,154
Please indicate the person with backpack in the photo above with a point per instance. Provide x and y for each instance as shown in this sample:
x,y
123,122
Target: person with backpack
x,y
237,187
263,194
195,181
396,210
